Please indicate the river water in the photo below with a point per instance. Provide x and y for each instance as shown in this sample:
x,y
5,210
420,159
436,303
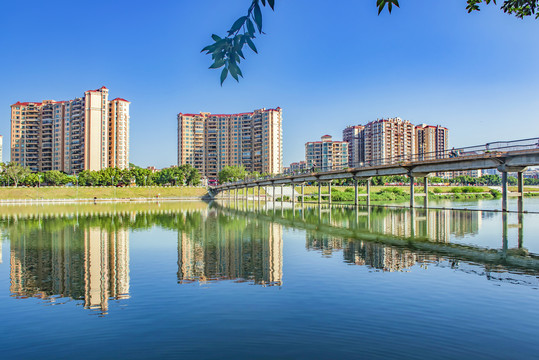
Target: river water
x,y
229,280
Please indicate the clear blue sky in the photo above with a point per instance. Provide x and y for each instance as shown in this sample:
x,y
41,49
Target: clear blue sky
x,y
328,64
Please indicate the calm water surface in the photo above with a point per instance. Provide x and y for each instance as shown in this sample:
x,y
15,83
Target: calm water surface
x,y
215,281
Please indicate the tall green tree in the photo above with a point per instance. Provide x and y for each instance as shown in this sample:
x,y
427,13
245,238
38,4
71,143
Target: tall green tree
x,y
15,172
232,173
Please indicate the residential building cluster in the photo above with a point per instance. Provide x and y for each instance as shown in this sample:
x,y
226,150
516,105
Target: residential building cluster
x,y
209,142
86,133
379,142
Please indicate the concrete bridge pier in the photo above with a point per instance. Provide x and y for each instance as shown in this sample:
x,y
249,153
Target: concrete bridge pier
x,y
293,195
273,194
426,189
368,192
504,169
319,192
520,178
329,191
258,196
302,194
356,200
282,194
412,194
504,191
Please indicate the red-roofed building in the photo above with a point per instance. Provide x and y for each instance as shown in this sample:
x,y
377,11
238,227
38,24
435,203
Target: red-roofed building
x,y
86,133
210,142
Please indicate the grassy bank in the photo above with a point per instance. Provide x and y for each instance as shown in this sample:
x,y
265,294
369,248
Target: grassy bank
x,y
73,192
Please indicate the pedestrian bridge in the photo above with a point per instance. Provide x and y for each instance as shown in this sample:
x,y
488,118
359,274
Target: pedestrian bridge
x,y
507,157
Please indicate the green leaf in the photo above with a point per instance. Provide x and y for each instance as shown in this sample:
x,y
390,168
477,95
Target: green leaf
x,y
258,17
215,37
224,74
237,25
252,45
217,64
250,27
272,4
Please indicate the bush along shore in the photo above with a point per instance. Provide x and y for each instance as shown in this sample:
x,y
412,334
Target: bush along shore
x,y
398,194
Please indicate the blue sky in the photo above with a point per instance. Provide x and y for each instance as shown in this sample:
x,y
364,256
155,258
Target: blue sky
x,y
328,64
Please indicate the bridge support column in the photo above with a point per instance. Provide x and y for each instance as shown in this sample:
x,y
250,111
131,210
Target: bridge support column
x,y
273,195
319,193
426,188
246,195
236,194
329,191
302,193
368,192
356,200
411,191
293,195
520,178
282,194
258,196
504,191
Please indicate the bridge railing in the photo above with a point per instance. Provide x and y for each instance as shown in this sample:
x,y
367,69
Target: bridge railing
x,y
467,151
476,150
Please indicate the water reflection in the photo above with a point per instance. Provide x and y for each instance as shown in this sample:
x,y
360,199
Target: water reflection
x,y
398,239
217,247
52,259
82,253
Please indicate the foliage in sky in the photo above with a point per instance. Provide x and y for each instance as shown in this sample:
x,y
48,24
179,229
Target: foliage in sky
x,y
227,51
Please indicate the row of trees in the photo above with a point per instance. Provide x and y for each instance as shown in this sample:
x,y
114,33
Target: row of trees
x,y
235,173
13,174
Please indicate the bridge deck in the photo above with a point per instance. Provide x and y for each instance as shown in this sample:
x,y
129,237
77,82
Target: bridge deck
x,y
508,161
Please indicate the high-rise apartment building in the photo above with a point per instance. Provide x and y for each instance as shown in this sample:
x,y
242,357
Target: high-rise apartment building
x,y
386,141
210,142
431,141
354,136
86,133
326,155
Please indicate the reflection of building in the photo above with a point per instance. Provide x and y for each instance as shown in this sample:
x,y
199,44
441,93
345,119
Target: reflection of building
x,y
465,222
324,243
231,250
367,253
90,264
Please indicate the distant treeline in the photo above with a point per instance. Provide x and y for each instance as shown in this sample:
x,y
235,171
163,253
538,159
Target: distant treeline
x,y
14,175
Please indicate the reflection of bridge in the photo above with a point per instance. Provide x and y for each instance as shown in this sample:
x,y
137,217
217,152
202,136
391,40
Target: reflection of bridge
x,y
415,239
507,157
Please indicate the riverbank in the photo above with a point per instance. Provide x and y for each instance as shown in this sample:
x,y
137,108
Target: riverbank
x,y
100,193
